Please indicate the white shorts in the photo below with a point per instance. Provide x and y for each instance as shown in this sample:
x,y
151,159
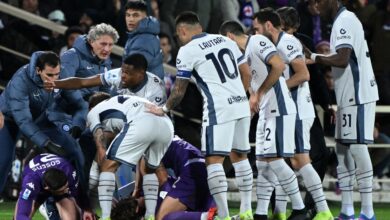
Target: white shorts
x,y
221,139
275,136
355,124
302,135
148,135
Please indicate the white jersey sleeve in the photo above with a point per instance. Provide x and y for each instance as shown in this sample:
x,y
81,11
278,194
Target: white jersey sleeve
x,y
290,48
111,78
277,101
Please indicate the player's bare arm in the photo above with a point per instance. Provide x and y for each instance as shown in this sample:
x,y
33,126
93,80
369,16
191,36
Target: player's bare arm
x,y
1,120
74,83
101,142
245,75
301,73
277,68
340,59
174,99
178,93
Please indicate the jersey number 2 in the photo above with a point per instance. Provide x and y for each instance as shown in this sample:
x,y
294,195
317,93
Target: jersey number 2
x,y
220,64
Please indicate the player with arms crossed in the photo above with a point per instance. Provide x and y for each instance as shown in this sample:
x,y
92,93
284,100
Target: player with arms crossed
x,y
356,95
48,175
222,74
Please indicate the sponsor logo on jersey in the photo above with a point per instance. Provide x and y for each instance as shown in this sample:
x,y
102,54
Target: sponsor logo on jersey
x,y
178,61
265,48
155,79
262,43
157,99
237,99
343,32
290,47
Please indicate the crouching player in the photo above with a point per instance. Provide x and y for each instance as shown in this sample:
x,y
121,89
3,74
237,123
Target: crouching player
x,y
48,175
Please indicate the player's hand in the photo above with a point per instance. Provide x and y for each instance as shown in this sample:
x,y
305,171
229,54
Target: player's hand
x,y
101,155
88,215
49,85
332,114
1,120
307,52
254,103
56,149
154,109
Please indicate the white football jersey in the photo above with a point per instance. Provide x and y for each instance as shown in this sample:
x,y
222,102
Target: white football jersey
x,y
356,83
123,108
153,89
290,48
212,61
277,101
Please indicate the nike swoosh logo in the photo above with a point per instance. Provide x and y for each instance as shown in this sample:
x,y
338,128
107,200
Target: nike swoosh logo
x,y
346,134
265,149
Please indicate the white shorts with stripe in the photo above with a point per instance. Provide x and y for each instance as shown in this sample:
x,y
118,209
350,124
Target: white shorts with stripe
x,y
302,135
355,124
148,135
221,139
275,136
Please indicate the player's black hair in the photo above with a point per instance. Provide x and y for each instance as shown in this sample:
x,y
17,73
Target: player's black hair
x,y
268,14
138,61
72,30
289,17
231,27
54,178
126,209
187,17
97,98
139,5
164,35
48,58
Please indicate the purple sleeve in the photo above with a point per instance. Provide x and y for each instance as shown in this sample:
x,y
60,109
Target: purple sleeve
x,y
28,194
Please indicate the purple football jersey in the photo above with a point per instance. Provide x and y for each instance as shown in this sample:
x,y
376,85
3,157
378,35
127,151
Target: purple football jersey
x,y
32,186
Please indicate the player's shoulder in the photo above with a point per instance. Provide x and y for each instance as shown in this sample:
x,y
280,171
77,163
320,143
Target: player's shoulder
x,y
152,78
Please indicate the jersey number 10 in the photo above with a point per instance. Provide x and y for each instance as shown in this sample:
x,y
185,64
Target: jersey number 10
x,y
220,64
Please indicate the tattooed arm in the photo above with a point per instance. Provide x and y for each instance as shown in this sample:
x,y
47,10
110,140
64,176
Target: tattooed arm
x,y
101,144
174,99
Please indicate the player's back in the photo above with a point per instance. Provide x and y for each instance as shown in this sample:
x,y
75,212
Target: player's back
x,y
180,154
123,107
213,62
